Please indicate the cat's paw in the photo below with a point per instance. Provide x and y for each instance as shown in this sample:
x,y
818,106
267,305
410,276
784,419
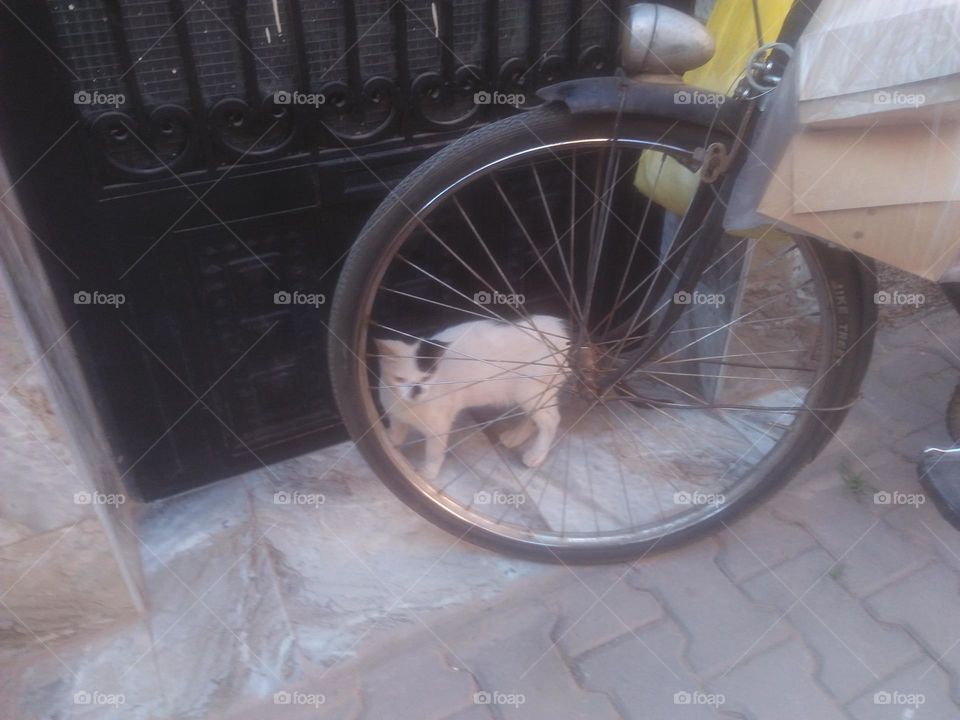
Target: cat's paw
x,y
534,457
516,436
430,471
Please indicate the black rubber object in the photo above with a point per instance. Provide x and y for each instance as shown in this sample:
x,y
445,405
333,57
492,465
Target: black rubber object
x,y
848,285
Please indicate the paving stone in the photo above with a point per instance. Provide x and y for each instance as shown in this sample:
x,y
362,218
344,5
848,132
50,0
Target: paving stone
x,y
854,650
926,604
924,527
759,540
912,389
306,701
646,676
905,390
928,684
779,684
885,470
850,528
911,447
585,621
416,685
474,712
518,667
721,621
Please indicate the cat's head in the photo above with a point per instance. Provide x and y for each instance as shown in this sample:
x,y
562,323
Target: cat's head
x,y
406,367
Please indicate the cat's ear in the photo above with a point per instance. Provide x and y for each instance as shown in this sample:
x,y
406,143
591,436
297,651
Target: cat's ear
x,y
391,348
429,354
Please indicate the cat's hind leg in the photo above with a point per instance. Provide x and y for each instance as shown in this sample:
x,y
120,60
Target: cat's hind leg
x,y
518,434
547,420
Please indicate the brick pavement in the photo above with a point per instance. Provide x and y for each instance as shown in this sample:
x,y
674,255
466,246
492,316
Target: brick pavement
x,y
822,604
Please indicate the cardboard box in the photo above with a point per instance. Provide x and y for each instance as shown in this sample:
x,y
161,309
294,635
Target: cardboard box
x,y
891,193
863,61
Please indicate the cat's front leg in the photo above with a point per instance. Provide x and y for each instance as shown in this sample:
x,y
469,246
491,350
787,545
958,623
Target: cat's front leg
x,y
397,432
435,448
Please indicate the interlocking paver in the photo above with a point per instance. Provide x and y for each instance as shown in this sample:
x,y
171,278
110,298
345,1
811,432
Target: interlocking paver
x,y
779,684
721,621
759,540
850,528
519,669
474,712
853,649
918,692
417,684
927,604
598,605
646,675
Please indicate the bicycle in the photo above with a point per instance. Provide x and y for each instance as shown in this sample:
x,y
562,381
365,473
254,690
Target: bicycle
x,y
693,373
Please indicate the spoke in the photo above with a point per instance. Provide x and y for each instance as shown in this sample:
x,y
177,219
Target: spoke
x,y
492,316
598,235
754,322
500,272
633,250
657,446
650,371
726,325
536,251
556,243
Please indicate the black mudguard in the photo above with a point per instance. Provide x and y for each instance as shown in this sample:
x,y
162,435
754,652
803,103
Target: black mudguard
x,y
675,101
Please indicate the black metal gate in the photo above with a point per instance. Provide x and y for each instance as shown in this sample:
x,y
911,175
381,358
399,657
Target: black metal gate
x,y
208,159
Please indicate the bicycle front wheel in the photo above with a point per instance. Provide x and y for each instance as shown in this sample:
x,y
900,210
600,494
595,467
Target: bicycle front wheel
x,y
493,292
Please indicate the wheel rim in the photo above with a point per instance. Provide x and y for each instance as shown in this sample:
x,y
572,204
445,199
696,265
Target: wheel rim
x,y
485,484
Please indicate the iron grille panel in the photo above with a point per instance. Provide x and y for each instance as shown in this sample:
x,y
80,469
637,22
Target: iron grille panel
x,y
375,38
469,31
513,21
230,77
325,44
87,45
158,68
271,45
215,50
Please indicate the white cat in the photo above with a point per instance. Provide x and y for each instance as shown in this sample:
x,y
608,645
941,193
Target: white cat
x,y
425,384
